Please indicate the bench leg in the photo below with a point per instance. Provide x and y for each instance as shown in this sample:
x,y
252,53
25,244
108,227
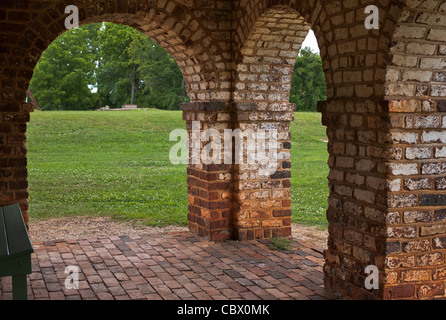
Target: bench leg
x,y
19,287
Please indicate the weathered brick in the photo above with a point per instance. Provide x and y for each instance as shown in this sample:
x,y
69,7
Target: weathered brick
x,y
431,290
440,152
430,259
440,215
439,243
432,200
415,246
433,230
418,153
393,247
402,232
399,292
417,216
433,137
403,169
433,168
439,274
440,183
433,63
417,184
400,262
400,201
415,275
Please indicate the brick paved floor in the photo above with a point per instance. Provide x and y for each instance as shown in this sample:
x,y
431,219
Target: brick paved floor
x,y
174,265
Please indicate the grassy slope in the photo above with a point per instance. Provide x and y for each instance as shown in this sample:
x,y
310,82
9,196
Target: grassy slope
x,y
309,170
117,164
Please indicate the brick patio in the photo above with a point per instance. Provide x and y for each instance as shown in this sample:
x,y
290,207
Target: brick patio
x,y
175,265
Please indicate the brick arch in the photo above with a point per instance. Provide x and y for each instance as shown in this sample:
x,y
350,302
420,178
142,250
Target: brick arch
x,y
384,117
357,117
416,99
339,44
201,50
268,56
168,23
264,65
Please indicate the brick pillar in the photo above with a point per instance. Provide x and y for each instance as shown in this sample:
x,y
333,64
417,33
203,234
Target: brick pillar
x,y
261,100
263,201
357,214
209,185
13,161
415,265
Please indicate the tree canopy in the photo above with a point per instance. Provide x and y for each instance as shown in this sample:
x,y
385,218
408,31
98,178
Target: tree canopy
x,y
308,81
66,69
112,64
106,64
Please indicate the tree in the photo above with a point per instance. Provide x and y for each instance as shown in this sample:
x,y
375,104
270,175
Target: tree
x,y
133,69
107,64
308,81
66,71
117,72
162,82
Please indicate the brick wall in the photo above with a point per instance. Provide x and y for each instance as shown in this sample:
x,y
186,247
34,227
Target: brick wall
x,y
384,116
415,264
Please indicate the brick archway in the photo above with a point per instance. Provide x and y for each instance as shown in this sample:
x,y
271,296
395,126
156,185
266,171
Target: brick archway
x,y
261,101
377,175
28,28
384,119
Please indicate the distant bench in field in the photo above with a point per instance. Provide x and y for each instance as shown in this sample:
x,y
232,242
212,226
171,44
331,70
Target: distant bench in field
x,y
129,106
124,107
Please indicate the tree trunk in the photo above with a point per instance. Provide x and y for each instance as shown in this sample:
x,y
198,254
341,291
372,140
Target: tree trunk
x,y
133,82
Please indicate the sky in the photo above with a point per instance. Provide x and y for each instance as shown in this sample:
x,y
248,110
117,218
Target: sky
x,y
311,42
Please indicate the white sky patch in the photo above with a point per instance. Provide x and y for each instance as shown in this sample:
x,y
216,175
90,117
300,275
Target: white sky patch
x,y
311,42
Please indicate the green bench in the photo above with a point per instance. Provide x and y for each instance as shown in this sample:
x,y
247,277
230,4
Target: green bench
x,y
15,250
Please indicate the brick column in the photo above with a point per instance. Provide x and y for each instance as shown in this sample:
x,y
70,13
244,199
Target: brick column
x,y
415,265
13,162
263,201
357,214
261,100
209,186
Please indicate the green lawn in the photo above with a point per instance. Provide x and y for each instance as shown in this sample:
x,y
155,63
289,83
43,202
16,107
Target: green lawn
x,y
117,164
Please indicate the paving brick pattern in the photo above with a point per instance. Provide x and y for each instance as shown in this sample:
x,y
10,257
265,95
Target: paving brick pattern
x,y
171,266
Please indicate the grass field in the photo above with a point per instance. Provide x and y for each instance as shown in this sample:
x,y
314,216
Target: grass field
x,y
117,164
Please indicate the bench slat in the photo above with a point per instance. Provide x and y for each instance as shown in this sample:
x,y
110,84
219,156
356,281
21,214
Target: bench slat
x,y
4,252
17,235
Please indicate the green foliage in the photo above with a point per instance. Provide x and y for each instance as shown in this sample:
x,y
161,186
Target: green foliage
x,y
279,243
161,78
66,69
123,65
308,81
